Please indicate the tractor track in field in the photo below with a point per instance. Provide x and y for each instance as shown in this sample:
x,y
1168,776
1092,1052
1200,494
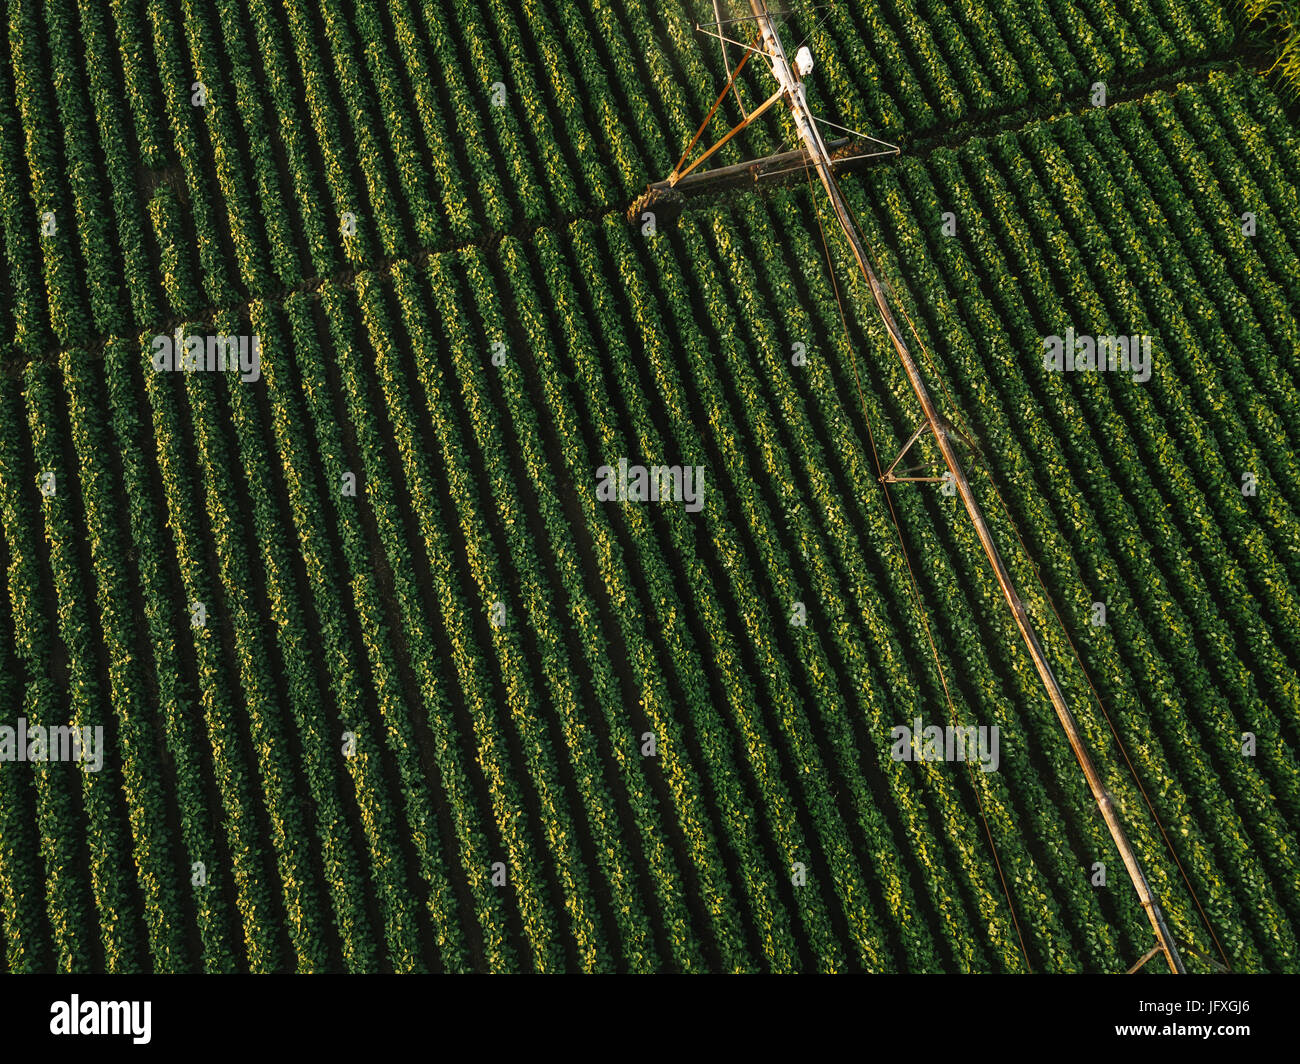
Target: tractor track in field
x,y
949,136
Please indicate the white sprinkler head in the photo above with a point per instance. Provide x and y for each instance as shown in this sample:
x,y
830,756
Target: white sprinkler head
x,y
803,61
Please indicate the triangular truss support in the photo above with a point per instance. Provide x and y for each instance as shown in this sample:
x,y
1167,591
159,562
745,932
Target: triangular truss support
x,y
1154,951
894,475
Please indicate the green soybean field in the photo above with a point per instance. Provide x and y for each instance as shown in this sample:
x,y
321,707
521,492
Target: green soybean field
x,y
408,563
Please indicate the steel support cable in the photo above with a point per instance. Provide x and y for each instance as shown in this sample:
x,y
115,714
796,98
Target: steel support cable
x,y
956,415
1114,731
918,603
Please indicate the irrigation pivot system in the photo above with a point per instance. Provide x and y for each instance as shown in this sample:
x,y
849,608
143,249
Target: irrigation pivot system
x,y
825,158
